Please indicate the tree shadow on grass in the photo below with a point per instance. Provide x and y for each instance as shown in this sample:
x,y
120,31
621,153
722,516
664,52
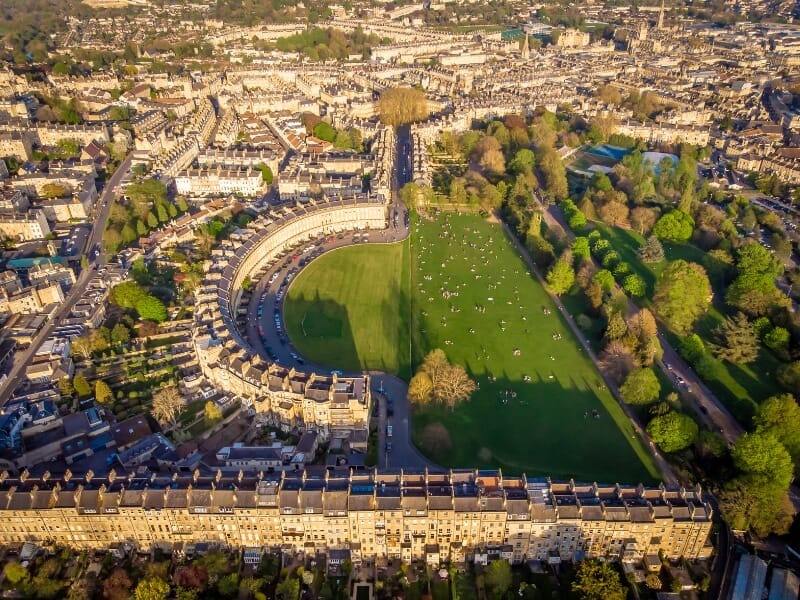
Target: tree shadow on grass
x,y
539,427
321,331
392,321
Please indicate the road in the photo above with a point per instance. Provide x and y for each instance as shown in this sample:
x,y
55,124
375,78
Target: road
x,y
102,210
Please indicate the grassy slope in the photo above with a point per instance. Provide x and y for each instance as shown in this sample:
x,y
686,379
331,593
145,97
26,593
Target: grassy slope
x,y
740,387
349,309
543,430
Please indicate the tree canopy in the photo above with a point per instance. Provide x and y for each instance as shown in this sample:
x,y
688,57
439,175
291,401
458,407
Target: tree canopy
x,y
672,431
641,387
675,226
780,416
754,291
595,580
682,294
402,105
736,340
561,276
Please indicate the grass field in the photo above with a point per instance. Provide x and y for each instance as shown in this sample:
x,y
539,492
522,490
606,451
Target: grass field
x,y
348,309
543,427
470,295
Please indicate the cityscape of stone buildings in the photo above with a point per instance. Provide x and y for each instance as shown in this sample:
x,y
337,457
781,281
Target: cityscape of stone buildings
x,y
210,134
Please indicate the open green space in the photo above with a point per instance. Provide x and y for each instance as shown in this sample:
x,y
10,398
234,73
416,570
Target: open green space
x,y
470,295
349,309
473,297
740,387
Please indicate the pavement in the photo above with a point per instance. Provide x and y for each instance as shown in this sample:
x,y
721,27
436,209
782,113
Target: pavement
x,y
16,373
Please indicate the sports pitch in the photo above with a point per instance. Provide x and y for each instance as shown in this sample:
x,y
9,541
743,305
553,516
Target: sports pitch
x,y
541,407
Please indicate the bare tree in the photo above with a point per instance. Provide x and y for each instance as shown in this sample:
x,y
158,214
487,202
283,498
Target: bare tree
x,y
441,381
617,360
436,439
453,386
434,364
82,346
167,405
643,219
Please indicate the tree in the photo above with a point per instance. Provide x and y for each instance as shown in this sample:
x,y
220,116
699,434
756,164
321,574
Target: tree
x,y
435,439
117,585
634,285
152,588
420,388
754,291
167,405
736,340
524,161
81,386
652,251
595,580
653,581
212,411
761,456
673,431
82,346
449,384
487,157
120,335
617,360
324,131
453,386
780,416
402,105
193,576
434,364
102,392
580,249
675,226
747,506
16,574
777,339
641,387
789,377
497,578
643,218
554,175
561,277
228,586
614,213
288,589
151,308
682,294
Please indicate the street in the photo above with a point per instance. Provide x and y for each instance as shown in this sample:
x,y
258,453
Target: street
x,y
102,210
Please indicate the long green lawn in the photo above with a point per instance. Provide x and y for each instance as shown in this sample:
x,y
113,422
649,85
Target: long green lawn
x,y
466,290
349,309
541,427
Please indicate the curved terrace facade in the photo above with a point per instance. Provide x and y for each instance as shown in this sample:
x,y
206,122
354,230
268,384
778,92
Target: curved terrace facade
x,y
332,406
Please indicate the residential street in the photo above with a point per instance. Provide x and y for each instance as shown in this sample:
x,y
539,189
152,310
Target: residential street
x,y
102,210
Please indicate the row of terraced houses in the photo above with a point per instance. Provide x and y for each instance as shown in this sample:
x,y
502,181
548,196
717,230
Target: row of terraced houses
x,y
369,515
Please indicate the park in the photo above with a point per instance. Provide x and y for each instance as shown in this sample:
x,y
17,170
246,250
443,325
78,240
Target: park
x,y
458,284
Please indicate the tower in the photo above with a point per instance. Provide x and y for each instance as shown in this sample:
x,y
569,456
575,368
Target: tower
x,y
661,17
526,49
